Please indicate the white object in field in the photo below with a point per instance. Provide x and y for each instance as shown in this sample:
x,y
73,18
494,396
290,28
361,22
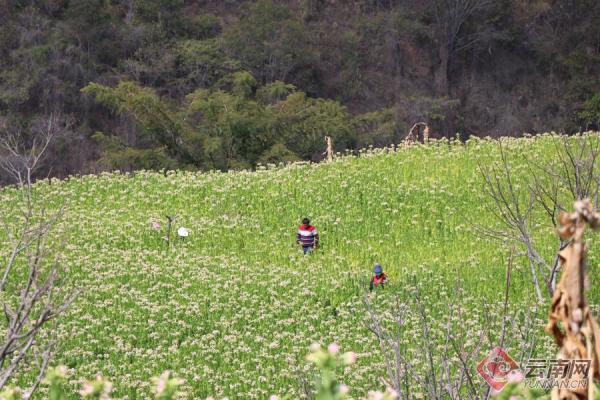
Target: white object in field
x,y
183,232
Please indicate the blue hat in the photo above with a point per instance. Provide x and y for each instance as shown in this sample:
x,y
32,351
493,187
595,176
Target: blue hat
x,y
377,270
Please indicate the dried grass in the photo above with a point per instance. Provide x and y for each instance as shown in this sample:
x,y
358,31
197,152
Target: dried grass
x,y
576,332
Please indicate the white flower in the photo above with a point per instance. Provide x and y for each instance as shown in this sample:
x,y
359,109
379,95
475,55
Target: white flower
x,y
183,232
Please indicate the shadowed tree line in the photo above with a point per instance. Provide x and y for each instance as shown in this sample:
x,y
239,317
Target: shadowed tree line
x,y
229,84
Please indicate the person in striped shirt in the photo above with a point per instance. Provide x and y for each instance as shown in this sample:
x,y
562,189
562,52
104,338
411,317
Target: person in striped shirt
x,y
307,236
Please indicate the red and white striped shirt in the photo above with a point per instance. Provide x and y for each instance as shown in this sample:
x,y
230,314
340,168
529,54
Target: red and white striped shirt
x,y
307,236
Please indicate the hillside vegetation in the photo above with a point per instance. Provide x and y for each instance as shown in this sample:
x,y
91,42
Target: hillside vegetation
x,y
216,84
233,308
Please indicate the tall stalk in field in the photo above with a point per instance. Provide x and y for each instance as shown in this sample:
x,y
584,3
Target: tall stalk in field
x,y
329,151
413,134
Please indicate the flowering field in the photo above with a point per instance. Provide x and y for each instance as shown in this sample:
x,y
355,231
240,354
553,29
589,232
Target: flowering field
x,y
234,307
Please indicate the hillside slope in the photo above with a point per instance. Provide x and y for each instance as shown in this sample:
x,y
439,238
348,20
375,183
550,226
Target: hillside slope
x,y
234,307
477,67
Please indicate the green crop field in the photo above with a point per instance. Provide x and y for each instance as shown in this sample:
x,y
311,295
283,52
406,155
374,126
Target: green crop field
x,y
233,308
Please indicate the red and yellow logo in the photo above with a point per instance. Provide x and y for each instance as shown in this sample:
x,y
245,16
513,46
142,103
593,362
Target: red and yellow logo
x,y
495,369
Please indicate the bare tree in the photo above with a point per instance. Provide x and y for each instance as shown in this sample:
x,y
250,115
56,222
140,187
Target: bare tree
x,y
572,174
20,159
29,304
512,213
450,18
574,171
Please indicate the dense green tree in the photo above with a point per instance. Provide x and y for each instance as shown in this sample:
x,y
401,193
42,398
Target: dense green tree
x,y
201,64
221,129
117,155
240,123
376,128
157,122
590,115
161,127
270,41
167,14
304,122
274,92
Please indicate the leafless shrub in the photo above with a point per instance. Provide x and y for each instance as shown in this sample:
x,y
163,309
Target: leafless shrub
x,y
447,367
31,288
572,175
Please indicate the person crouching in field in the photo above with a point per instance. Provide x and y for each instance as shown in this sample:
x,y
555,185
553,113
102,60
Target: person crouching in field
x,y
379,278
307,236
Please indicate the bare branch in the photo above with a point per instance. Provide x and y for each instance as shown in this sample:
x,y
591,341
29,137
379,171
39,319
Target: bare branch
x,y
571,174
39,298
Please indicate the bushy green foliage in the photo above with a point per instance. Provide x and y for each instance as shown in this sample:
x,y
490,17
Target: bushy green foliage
x,y
124,158
165,13
243,84
157,121
202,26
304,122
223,129
591,111
278,153
202,63
270,41
274,92
376,128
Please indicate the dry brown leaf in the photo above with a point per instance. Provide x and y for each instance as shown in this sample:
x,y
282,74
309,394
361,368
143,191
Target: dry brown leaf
x,y
570,322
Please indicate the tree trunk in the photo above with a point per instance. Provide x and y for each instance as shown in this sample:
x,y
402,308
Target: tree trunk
x,y
441,72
